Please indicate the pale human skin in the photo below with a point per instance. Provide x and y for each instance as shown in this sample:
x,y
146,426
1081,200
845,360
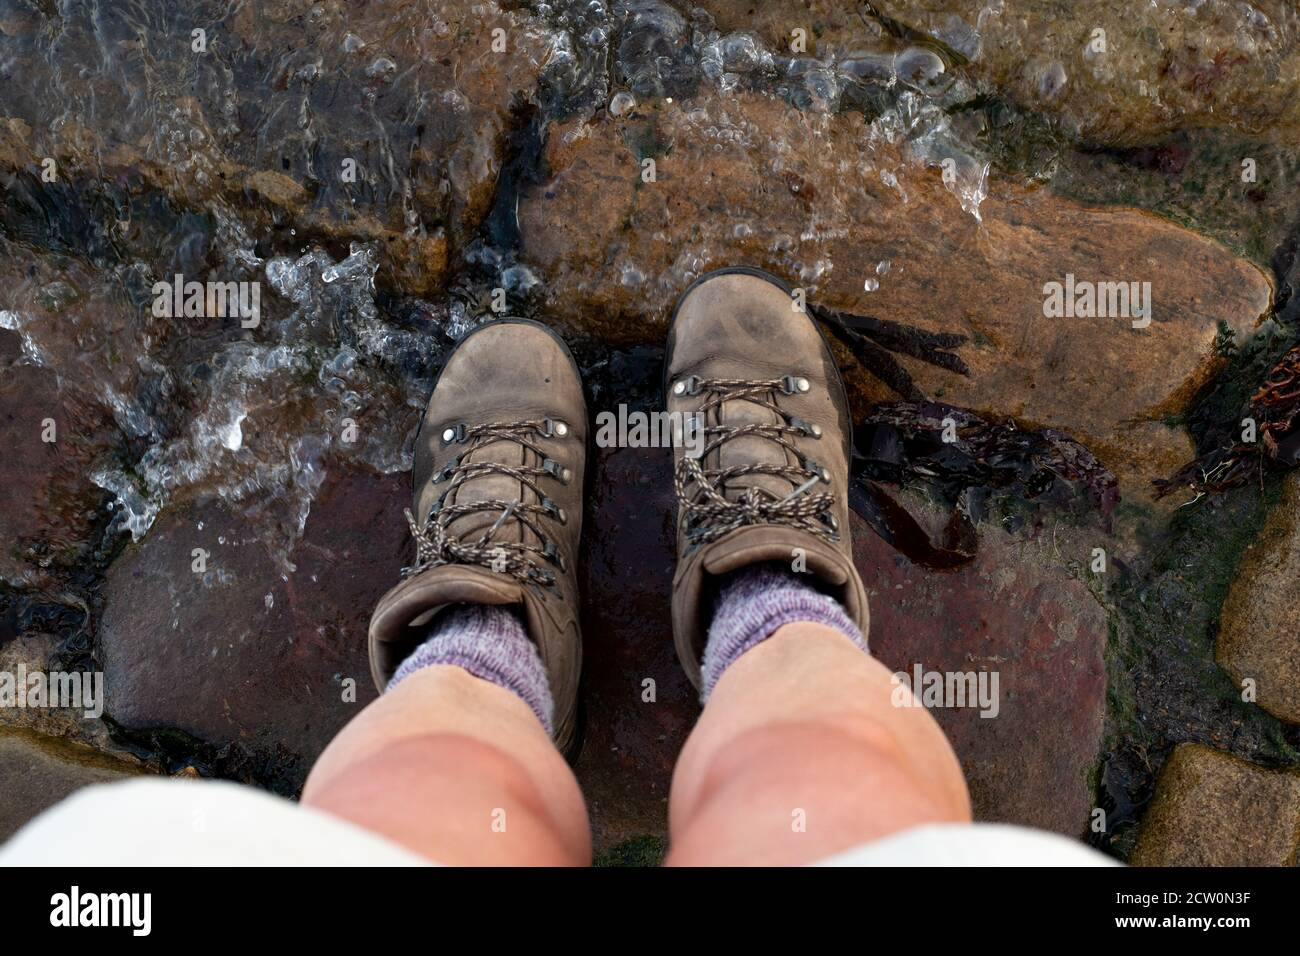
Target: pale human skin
x,y
800,753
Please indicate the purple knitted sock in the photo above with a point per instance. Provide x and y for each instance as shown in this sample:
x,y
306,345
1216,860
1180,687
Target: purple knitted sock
x,y
753,603
491,643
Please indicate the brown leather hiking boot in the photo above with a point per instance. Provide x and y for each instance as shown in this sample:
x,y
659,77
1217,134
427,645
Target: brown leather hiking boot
x,y
499,466
772,481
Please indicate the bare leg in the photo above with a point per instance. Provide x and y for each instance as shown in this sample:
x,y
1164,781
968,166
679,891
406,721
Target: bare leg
x,y
800,753
456,769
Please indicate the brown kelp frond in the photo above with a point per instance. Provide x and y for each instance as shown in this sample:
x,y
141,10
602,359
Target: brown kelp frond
x,y
967,457
872,341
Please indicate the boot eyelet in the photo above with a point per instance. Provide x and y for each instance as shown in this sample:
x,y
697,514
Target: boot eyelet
x,y
552,554
554,428
454,433
795,385
690,385
556,471
448,470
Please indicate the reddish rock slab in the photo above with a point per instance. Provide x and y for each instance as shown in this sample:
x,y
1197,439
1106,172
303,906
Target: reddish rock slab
x,y
630,744
51,506
240,652
1016,612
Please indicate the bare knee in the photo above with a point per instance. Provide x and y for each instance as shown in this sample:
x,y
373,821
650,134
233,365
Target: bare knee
x,y
455,799
794,793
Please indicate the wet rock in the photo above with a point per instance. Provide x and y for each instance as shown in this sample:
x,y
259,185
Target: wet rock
x,y
51,438
1151,69
30,653
827,26
378,121
244,648
1154,68
1213,809
1259,630
1017,612
37,772
824,201
639,704
1224,185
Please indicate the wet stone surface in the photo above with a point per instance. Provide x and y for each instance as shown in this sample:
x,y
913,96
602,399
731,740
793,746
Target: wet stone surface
x,y
281,105
244,651
633,729
832,205
1016,611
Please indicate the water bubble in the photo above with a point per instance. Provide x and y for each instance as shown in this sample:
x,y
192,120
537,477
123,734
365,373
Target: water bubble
x,y
621,104
381,67
882,267
920,68
871,285
740,54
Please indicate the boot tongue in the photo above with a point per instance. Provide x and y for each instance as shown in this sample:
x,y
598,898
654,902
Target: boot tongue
x,y
493,486
751,449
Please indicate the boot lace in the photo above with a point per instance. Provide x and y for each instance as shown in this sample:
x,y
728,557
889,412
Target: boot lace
x,y
708,513
436,545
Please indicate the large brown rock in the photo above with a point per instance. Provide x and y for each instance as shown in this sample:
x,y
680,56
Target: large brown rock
x,y
245,650
1259,630
825,200
1213,809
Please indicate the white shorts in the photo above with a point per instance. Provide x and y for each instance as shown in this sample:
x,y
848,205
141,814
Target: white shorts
x,y
216,823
